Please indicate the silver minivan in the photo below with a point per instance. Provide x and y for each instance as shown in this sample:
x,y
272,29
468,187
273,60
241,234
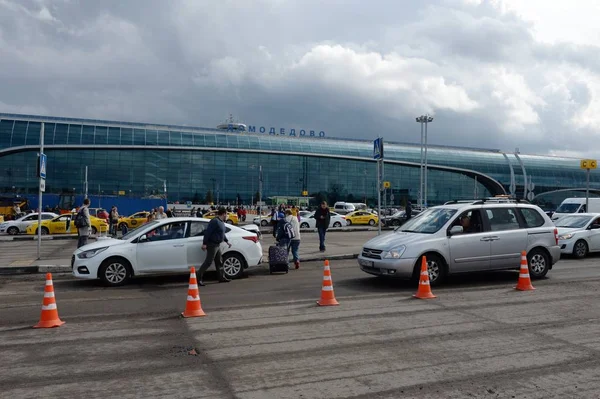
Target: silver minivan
x,y
465,237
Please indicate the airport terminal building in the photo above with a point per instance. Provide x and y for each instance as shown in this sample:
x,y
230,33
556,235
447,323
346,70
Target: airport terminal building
x,y
138,159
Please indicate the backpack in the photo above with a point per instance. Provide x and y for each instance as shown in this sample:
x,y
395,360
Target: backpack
x,y
80,219
288,231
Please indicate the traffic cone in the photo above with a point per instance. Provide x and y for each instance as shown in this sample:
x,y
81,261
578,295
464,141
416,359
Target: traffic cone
x,y
327,295
193,307
424,290
49,317
524,283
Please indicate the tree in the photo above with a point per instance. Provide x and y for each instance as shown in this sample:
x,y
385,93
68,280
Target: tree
x,y
209,197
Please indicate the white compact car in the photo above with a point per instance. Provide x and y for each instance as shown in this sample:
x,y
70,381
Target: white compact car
x,y
309,221
264,220
14,227
579,234
171,245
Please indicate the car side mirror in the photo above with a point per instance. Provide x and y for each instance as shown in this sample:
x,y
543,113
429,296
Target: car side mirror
x,y
143,238
455,230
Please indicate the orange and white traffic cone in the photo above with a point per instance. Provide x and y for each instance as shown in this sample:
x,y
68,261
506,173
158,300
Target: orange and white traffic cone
x,y
424,290
327,295
193,306
524,283
49,317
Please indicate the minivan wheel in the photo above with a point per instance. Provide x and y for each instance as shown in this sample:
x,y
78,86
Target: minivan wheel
x,y
436,268
580,249
538,262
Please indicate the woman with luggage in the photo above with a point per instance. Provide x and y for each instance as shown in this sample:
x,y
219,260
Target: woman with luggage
x,y
295,240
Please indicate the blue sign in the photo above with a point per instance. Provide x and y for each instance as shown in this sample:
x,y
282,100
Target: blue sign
x,y
275,132
43,162
378,148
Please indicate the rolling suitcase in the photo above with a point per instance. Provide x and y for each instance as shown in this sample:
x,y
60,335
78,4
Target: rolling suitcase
x,y
278,259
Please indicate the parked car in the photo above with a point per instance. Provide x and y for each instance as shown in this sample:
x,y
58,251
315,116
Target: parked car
x,y
398,218
14,227
232,218
309,222
134,221
65,224
362,217
100,213
465,237
579,234
263,220
171,245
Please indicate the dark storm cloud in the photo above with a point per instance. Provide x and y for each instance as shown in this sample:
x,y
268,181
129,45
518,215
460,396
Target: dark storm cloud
x,y
347,67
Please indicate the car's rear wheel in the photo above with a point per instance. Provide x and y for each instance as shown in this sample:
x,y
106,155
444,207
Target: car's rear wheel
x,y
304,225
538,262
436,266
13,231
233,265
263,223
580,249
337,224
372,222
115,271
348,222
229,221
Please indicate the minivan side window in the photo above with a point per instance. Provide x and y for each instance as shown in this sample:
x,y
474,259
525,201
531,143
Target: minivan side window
x,y
532,217
502,219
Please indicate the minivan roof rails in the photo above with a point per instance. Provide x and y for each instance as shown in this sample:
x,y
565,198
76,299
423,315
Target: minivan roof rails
x,y
489,200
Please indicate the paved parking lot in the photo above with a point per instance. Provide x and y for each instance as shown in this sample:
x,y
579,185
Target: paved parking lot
x,y
264,337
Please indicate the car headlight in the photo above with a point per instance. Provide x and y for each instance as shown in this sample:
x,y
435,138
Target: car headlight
x,y
91,253
566,236
3,224
395,253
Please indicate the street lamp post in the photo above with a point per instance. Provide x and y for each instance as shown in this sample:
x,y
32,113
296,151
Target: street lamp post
x,y
423,120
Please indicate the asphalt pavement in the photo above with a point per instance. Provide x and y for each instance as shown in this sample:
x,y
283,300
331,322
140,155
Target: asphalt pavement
x,y
265,337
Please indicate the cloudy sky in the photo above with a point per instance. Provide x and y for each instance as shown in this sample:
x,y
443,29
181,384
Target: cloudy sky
x,y
495,73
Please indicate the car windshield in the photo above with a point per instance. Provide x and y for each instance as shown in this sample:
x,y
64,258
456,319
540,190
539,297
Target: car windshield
x,y
573,222
428,222
135,231
568,208
398,214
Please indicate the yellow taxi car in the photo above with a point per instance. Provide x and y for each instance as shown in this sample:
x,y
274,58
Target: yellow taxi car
x,y
232,218
134,221
64,224
361,217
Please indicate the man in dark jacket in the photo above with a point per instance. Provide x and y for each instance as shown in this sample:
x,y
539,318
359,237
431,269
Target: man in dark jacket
x,y
214,235
408,210
322,216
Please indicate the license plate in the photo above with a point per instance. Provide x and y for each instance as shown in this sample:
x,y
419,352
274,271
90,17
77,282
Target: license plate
x,y
366,263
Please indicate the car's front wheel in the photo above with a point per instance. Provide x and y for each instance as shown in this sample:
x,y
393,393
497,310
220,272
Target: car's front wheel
x,y
372,222
45,231
263,223
539,263
233,265
13,231
114,271
229,221
580,249
395,222
436,266
337,224
304,225
348,222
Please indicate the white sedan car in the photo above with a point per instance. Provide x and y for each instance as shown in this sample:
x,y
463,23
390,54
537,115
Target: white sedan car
x,y
309,221
14,227
171,245
579,234
264,220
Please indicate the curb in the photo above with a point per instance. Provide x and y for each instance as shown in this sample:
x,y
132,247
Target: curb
x,y
19,270
44,238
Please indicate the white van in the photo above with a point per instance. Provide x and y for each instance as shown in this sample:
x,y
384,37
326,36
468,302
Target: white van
x,y
344,208
576,205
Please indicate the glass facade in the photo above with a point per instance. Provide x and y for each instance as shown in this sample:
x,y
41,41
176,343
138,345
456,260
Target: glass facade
x,y
137,159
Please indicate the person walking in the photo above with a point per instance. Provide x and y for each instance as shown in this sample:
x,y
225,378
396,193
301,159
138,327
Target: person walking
x,y
323,217
408,210
83,223
214,235
113,220
295,241
161,213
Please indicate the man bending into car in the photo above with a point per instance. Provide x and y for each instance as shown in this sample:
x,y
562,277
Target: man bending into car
x,y
214,235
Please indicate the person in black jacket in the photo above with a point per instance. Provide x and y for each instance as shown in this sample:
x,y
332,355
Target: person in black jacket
x,y
323,217
408,210
214,235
